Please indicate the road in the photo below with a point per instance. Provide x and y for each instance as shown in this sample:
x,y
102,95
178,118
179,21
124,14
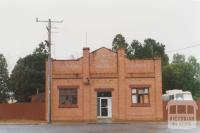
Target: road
x,y
148,127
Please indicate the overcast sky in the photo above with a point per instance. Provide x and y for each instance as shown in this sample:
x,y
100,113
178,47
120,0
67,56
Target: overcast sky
x,y
175,23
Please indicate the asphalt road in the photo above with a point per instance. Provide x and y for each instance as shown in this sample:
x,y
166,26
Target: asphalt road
x,y
95,128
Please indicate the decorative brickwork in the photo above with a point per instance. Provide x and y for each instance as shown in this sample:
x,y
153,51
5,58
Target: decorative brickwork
x,y
106,70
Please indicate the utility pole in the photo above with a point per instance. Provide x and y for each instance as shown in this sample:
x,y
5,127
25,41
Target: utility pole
x,y
49,21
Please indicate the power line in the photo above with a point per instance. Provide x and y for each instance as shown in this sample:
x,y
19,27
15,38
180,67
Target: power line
x,y
169,51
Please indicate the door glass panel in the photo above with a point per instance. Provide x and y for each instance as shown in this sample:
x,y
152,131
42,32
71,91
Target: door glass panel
x,y
104,102
104,111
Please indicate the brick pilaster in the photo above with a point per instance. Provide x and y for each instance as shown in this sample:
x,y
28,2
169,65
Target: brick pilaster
x,y
158,88
121,84
86,84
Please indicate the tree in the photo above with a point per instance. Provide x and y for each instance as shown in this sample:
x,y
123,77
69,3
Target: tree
x,y
181,74
134,50
119,42
4,78
28,74
178,58
149,49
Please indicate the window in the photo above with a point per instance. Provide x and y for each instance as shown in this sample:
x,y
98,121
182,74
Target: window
x,y
140,96
104,94
171,97
179,96
68,97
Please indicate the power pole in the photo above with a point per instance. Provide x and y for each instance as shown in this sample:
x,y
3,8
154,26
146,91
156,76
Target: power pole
x,y
49,21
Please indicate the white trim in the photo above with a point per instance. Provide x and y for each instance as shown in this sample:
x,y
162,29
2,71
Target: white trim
x,y
109,102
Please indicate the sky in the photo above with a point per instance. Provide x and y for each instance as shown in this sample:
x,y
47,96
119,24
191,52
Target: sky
x,y
175,23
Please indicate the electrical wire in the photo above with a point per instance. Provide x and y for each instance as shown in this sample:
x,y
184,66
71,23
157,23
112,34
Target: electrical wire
x,y
197,45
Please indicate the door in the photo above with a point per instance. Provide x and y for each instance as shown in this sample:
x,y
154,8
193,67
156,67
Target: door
x,y
105,107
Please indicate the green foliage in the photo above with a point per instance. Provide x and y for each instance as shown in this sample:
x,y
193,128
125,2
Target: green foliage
x,y
3,79
181,74
119,42
178,58
28,74
149,49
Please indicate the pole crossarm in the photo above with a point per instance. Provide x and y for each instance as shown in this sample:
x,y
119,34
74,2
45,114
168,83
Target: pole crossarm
x,y
46,21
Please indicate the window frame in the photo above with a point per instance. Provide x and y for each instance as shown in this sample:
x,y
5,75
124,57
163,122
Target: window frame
x,y
140,87
68,88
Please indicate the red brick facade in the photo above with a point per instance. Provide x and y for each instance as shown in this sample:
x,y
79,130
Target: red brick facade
x,y
104,70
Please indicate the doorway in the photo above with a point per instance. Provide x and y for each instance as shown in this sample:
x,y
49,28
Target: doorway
x,y
104,105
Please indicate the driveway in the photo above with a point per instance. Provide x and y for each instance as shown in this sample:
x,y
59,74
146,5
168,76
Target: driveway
x,y
148,127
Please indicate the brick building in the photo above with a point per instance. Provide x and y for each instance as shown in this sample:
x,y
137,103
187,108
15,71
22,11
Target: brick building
x,y
105,84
